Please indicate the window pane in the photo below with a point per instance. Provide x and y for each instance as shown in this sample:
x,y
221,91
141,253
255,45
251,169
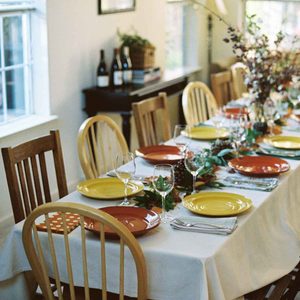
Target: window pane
x,y
1,101
174,35
276,16
13,40
15,91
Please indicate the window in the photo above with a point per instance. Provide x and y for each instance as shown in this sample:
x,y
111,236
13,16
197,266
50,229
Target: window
x,y
15,60
276,15
174,34
182,32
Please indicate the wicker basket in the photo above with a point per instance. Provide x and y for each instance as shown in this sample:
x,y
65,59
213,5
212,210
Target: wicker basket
x,y
142,58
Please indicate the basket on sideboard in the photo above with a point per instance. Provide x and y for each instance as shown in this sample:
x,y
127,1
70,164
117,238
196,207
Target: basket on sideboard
x,y
142,58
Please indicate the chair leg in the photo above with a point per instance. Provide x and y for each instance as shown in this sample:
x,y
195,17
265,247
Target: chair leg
x,y
294,287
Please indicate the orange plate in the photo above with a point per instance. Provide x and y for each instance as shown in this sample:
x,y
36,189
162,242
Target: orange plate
x,y
160,154
137,219
260,166
235,111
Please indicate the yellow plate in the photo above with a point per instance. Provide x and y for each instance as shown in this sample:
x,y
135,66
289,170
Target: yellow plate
x,y
207,133
217,203
107,188
284,142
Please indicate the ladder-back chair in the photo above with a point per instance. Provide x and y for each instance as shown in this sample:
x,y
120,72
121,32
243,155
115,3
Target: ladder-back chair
x,y
221,85
42,254
152,120
27,176
99,141
198,103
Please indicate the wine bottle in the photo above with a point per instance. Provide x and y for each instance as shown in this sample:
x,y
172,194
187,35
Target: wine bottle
x,y
127,66
102,74
116,69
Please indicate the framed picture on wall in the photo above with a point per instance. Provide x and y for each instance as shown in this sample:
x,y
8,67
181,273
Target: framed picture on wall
x,y
114,6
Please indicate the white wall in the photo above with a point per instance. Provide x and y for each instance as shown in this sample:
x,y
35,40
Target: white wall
x,y
75,35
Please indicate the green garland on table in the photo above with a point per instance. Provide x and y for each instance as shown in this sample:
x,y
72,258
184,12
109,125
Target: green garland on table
x,y
205,179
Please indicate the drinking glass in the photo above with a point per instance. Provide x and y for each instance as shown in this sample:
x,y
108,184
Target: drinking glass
x,y
125,169
237,131
163,182
194,161
269,112
180,140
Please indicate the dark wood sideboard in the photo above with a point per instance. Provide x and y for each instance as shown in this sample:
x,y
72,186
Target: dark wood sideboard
x,y
119,100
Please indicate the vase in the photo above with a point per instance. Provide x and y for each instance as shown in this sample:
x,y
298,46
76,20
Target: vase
x,y
257,116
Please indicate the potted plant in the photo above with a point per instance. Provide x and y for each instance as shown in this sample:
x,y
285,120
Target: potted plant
x,y
142,52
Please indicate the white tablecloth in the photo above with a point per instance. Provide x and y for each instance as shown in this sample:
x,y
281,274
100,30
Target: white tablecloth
x,y
188,265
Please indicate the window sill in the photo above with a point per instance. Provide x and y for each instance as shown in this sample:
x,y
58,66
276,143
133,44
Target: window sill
x,y
24,123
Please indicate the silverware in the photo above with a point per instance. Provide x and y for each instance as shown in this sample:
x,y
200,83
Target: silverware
x,y
199,224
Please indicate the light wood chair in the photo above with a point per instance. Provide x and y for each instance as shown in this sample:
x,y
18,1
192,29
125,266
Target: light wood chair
x,y
198,102
99,141
36,254
152,120
26,173
221,85
238,71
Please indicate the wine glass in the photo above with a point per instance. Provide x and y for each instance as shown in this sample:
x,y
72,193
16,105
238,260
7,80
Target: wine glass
x,y
163,183
125,169
180,140
194,161
269,112
237,131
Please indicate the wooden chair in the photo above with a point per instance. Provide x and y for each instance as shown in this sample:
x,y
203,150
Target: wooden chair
x,y
285,288
198,102
99,141
36,254
221,85
152,120
238,70
26,173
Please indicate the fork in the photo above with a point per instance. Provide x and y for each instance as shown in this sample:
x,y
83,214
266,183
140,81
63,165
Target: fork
x,y
198,224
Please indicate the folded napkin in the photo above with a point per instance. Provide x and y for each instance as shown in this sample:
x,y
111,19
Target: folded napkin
x,y
221,226
290,154
250,183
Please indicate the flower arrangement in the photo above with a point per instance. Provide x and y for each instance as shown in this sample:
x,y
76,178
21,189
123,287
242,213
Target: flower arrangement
x,y
270,68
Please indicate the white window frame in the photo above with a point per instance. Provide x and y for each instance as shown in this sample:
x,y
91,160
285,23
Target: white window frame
x,y
26,65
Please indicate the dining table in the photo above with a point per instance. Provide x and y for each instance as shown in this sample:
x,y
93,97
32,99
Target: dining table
x,y
193,265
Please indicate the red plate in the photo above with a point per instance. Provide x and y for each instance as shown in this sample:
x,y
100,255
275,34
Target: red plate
x,y
159,154
262,166
235,111
137,219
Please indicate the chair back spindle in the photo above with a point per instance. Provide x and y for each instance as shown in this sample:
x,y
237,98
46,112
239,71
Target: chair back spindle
x,y
99,141
152,120
27,175
198,103
43,256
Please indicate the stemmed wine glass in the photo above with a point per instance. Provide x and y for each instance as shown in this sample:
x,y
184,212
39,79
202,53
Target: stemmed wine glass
x,y
194,161
237,130
163,182
125,169
269,112
180,140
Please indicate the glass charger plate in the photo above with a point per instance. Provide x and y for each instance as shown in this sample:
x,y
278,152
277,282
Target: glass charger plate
x,y
217,203
284,142
137,219
107,188
263,166
207,133
160,154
